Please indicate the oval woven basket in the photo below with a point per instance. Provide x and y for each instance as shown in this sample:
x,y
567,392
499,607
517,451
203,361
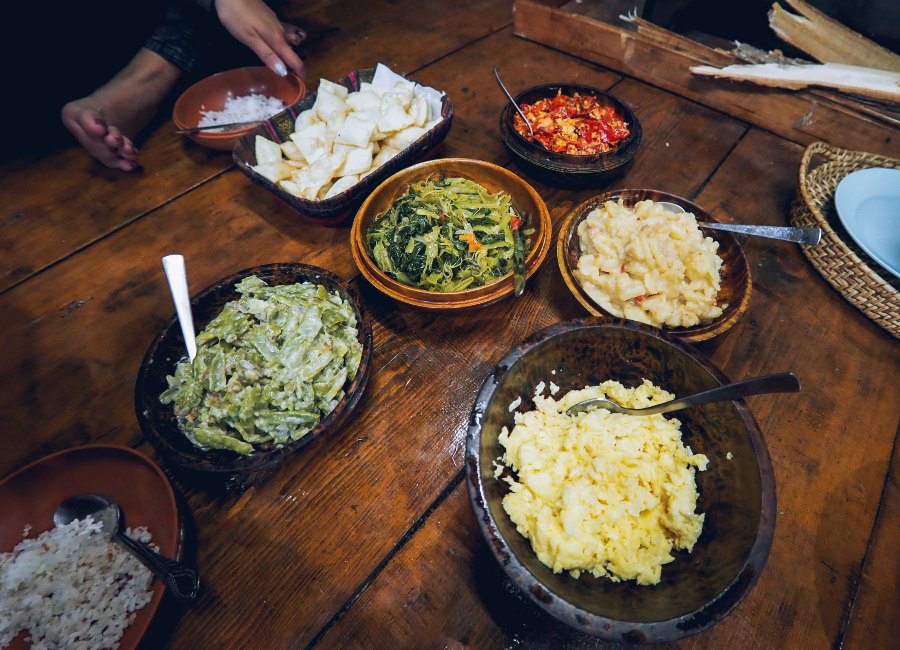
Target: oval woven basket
x,y
837,258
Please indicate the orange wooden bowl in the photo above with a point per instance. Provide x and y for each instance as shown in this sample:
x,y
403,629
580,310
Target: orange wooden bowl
x,y
30,495
210,94
735,272
525,201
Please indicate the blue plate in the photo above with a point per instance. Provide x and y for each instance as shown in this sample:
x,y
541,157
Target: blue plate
x,y
868,204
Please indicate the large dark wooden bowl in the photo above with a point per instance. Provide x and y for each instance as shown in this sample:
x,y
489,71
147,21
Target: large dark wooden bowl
x,y
525,201
735,272
737,495
158,421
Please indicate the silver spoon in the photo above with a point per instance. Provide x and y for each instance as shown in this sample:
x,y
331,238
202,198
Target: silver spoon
x,y
785,382
233,125
176,274
515,106
785,233
181,580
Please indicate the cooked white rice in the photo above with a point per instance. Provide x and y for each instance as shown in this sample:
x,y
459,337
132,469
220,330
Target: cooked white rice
x,y
246,108
72,587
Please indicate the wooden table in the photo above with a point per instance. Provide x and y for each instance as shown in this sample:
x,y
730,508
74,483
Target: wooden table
x,y
366,538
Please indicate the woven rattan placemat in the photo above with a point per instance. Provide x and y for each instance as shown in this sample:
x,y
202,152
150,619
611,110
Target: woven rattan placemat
x,y
841,262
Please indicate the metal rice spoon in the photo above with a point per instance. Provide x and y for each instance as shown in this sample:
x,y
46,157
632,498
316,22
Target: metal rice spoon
x,y
516,106
785,382
181,580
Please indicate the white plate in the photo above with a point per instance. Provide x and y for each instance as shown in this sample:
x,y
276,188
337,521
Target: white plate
x,y
868,204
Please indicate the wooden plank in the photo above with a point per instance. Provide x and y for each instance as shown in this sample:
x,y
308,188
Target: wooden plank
x,y
76,201
83,326
798,116
819,445
444,589
871,623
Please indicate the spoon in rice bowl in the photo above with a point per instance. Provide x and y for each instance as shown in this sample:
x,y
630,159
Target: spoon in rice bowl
x,y
785,382
181,580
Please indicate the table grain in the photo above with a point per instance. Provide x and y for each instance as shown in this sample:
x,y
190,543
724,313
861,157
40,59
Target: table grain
x,y
366,538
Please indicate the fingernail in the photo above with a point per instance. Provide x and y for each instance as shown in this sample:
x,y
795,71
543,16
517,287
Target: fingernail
x,y
280,70
301,34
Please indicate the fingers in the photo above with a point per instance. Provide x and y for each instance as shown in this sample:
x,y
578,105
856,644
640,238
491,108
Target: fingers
x,y
293,35
276,53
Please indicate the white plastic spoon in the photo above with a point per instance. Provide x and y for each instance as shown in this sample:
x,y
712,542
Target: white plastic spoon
x,y
177,277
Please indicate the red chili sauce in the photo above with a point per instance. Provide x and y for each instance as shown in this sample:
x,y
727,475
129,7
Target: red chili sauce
x,y
576,124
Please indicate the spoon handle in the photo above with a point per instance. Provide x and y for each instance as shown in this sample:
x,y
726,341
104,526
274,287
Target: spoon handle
x,y
785,382
785,233
233,125
513,101
177,277
181,580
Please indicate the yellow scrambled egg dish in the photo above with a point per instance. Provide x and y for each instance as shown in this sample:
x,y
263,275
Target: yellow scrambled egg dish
x,y
602,492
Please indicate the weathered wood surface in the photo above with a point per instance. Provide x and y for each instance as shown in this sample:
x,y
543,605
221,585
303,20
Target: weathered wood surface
x,y
52,206
803,117
366,537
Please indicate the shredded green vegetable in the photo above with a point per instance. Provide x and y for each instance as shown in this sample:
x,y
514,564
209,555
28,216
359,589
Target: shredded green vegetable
x,y
446,235
268,368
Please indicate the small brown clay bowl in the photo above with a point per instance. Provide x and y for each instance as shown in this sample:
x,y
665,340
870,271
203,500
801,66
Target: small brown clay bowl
x,y
737,493
525,201
210,94
735,272
568,170
158,421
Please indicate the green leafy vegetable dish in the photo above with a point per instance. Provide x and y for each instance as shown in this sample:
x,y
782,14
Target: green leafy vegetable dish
x,y
448,235
268,368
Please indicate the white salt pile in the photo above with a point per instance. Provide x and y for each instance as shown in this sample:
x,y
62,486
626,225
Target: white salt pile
x,y
246,108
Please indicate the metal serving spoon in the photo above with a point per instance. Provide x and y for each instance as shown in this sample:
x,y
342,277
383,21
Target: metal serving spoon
x,y
176,274
181,580
224,127
516,106
785,233
785,382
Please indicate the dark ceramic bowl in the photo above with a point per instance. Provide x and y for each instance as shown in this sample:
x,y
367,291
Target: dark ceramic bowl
x,y
735,284
339,208
567,170
158,421
737,495
210,94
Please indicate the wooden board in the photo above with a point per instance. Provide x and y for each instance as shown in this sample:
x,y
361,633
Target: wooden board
x,y
77,201
802,117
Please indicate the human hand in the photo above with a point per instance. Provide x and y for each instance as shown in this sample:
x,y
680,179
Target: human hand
x,y
255,25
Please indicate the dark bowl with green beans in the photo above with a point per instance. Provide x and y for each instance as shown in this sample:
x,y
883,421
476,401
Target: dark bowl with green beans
x,y
230,414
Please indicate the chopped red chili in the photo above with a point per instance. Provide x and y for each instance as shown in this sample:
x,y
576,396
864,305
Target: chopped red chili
x,y
576,124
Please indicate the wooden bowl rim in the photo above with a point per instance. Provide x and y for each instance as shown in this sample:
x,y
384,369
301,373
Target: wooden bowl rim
x,y
451,300
607,628
694,334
